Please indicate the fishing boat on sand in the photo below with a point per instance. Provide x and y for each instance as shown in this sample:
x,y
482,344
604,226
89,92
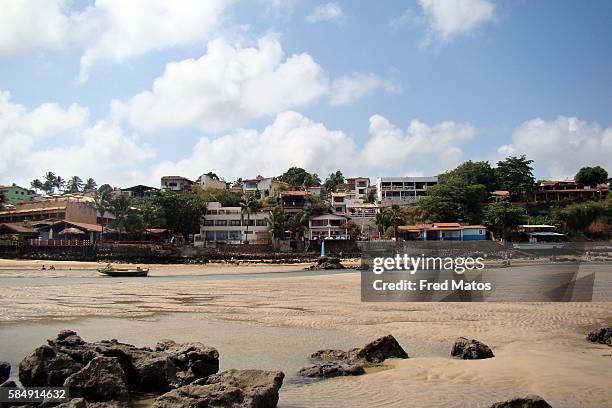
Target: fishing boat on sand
x,y
109,270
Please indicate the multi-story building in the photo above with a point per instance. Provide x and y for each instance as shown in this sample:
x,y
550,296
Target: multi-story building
x,y
358,186
207,182
403,190
444,231
328,226
227,224
566,190
177,184
259,183
139,191
69,208
14,194
293,201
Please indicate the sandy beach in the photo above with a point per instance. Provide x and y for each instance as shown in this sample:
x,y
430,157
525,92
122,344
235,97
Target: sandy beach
x,y
539,347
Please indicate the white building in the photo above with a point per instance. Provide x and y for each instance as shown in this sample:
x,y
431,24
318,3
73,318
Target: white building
x,y
259,183
226,224
327,226
178,184
207,182
358,186
403,190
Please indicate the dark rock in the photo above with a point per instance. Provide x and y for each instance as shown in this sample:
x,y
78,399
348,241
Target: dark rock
x,y
381,349
102,379
603,336
47,367
330,354
82,403
5,371
530,401
192,360
325,262
470,349
232,388
331,369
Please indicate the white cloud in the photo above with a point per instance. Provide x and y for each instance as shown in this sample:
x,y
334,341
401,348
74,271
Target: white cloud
x,y
448,19
349,88
27,25
118,29
328,12
562,146
294,140
102,151
433,147
231,85
291,140
109,30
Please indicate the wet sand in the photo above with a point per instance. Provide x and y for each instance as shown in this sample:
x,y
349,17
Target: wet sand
x,y
267,320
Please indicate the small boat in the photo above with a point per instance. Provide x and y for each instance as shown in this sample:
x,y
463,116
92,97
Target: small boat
x,y
129,272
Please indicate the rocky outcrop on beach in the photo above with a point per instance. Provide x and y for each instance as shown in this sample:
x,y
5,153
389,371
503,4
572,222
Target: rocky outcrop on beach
x,y
326,262
231,388
470,349
333,363
603,336
5,371
105,374
530,401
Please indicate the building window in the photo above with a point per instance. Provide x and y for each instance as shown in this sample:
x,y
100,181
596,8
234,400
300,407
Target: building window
x,y
261,223
209,223
234,223
221,223
210,235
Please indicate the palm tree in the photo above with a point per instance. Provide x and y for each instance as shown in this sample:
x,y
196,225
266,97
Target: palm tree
x,y
60,183
278,221
74,184
90,184
298,224
382,221
37,185
121,207
49,183
101,202
396,217
248,207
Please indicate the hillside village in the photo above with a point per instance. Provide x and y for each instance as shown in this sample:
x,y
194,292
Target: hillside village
x,y
297,210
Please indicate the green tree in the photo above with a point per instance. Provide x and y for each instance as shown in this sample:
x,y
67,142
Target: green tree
x,y
396,217
298,223
317,205
370,196
515,174
37,185
445,202
183,213
120,207
101,202
382,221
591,176
247,208
59,183
50,182
278,222
501,216
297,176
470,173
74,185
225,197
352,229
90,184
151,214
333,181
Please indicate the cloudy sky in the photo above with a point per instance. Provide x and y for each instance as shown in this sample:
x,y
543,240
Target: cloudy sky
x,y
128,91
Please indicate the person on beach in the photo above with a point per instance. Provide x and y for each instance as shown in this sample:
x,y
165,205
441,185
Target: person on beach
x,y
43,268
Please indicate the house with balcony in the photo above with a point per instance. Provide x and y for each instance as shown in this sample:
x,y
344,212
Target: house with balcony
x,y
210,181
258,184
176,184
358,186
566,190
14,194
226,224
403,190
328,226
139,191
293,201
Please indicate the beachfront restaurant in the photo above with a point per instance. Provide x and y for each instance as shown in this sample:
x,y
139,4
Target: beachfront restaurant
x,y
445,231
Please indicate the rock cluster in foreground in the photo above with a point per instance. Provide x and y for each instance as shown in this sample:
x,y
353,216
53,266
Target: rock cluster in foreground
x,y
108,373
530,401
335,363
470,349
603,336
326,262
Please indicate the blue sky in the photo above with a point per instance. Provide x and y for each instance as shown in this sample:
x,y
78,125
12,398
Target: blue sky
x,y
374,89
